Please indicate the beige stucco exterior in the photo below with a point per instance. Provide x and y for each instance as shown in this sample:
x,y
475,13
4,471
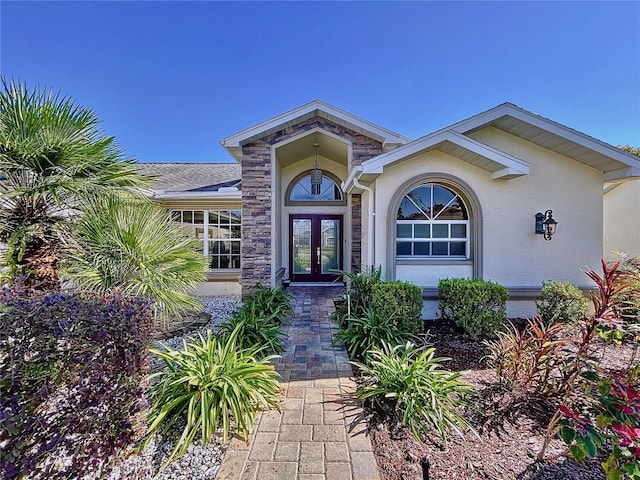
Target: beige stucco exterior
x,y
622,219
507,164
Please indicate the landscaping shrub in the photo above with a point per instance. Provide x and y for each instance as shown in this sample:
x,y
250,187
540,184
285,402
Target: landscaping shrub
x,y
412,383
401,302
128,245
561,302
259,320
529,361
360,294
71,390
208,382
477,306
609,417
272,302
255,329
601,411
371,330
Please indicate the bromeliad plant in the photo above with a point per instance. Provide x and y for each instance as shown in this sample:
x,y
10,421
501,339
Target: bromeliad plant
x,y
612,417
211,382
411,381
255,328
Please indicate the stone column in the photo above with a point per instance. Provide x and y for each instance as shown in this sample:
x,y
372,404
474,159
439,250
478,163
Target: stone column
x,y
256,215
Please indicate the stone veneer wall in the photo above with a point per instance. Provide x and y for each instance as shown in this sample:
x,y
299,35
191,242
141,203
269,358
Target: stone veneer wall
x,y
257,197
356,232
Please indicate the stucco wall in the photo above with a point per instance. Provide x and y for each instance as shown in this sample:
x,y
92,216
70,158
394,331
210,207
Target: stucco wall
x,y
512,254
622,220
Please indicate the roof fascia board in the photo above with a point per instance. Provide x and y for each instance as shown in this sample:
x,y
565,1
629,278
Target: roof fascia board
x,y
586,141
382,134
621,174
515,166
162,195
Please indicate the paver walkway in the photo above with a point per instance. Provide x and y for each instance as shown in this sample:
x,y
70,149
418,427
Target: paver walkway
x,y
319,433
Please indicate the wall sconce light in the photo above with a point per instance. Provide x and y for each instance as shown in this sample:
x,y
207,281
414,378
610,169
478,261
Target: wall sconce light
x,y
545,224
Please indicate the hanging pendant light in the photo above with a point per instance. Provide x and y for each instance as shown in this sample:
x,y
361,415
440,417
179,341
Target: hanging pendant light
x,y
316,176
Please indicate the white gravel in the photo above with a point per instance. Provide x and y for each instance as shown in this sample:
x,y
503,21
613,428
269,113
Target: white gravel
x,y
199,462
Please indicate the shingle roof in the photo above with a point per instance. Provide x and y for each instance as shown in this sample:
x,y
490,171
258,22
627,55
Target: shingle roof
x,y
187,177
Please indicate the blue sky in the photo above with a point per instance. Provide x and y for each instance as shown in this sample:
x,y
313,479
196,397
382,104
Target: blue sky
x,y
169,79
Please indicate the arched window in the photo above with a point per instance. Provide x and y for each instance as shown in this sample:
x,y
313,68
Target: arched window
x,y
299,192
433,222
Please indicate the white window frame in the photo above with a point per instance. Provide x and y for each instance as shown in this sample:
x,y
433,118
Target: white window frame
x,y
206,239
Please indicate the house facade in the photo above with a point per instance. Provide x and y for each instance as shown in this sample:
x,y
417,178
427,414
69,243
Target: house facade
x,y
317,190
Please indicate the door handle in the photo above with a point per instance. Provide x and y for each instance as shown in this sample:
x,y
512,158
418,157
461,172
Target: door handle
x,y
318,254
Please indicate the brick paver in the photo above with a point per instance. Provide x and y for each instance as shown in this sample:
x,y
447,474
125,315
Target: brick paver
x,y
319,433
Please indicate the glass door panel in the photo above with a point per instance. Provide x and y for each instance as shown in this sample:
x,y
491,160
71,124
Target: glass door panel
x,y
315,247
301,246
330,246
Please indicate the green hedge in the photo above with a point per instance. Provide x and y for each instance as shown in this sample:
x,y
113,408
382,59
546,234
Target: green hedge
x,y
401,302
561,302
477,306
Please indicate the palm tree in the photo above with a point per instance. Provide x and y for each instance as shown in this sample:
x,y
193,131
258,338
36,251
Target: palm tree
x,y
127,244
53,156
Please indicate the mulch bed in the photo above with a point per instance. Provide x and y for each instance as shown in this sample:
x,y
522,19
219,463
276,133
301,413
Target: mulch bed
x,y
511,429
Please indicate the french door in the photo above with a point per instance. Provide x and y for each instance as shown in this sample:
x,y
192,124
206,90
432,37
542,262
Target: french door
x,y
315,247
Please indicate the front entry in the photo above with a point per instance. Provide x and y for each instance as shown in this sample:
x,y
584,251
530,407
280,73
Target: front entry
x,y
315,247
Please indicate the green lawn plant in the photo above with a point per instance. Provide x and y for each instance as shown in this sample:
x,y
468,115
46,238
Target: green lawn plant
x,y
411,381
210,383
370,330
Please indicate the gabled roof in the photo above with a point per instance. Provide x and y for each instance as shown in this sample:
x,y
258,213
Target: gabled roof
x,y
615,164
501,165
233,143
192,177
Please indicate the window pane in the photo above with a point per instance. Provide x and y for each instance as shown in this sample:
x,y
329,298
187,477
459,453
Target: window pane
x,y
235,216
441,231
198,217
214,218
441,198
235,261
440,248
455,211
403,248
176,215
458,231
235,247
422,230
187,217
403,230
215,262
422,248
329,190
235,231
458,248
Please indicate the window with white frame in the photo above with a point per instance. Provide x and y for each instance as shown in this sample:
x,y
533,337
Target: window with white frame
x,y
432,222
219,232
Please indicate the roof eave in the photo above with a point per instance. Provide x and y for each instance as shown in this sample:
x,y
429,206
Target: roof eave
x,y
233,143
